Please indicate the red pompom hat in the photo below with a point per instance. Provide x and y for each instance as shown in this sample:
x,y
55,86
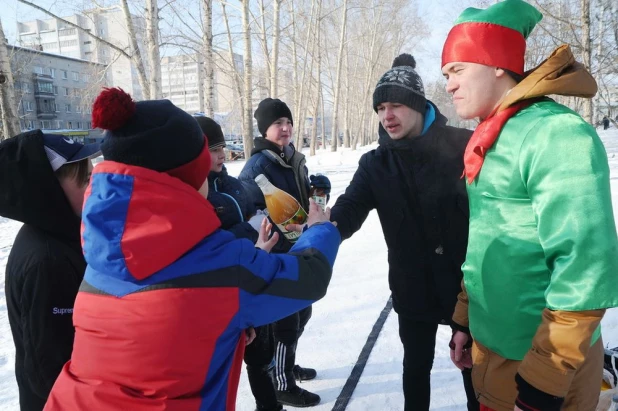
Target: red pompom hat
x,y
152,134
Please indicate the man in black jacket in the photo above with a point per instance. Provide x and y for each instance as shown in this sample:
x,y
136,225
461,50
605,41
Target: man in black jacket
x,y
43,178
413,181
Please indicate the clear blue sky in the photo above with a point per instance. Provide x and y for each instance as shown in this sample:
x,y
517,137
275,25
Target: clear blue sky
x,y
437,14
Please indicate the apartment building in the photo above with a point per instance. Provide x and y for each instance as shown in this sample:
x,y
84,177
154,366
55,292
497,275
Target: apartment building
x,y
54,36
55,92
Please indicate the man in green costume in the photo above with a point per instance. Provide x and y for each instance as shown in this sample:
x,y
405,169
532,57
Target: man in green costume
x,y
542,259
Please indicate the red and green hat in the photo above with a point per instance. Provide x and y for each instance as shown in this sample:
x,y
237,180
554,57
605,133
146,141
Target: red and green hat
x,y
495,36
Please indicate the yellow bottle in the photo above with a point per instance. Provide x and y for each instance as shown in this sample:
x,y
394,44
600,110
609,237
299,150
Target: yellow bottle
x,y
283,209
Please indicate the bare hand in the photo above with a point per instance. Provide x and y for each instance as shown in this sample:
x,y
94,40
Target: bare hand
x,y
462,358
263,241
249,335
316,215
517,409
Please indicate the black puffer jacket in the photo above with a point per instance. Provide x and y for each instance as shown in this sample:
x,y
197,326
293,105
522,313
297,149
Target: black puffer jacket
x,y
233,204
44,269
285,169
416,187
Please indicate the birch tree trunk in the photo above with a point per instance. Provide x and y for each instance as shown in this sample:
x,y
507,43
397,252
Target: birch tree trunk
x,y
236,75
334,135
152,44
300,108
209,74
586,49
264,36
248,136
599,75
274,72
316,108
294,51
136,55
8,111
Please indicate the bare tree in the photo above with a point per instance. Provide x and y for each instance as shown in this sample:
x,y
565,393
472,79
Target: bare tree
x,y
334,136
209,89
587,52
248,88
136,56
8,111
152,44
274,73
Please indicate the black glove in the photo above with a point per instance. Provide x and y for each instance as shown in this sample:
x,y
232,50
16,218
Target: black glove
x,y
320,181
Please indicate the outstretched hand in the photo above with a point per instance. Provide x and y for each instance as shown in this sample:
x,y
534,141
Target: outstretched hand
x,y
316,215
264,242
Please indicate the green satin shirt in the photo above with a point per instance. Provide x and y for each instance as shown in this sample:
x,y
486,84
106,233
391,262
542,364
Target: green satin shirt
x,y
542,231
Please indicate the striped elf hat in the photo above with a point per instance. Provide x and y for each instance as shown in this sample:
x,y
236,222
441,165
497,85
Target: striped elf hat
x,y
495,36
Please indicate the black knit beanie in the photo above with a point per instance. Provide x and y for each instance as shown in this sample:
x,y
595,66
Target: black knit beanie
x,y
212,130
270,110
153,134
401,84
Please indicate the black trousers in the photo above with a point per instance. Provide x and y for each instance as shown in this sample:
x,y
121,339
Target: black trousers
x,y
258,357
287,331
419,343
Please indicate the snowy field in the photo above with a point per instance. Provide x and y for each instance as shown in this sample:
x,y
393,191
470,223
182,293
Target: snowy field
x,y
342,320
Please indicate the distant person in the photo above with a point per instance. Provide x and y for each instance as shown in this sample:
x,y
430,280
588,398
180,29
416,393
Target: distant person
x,y
542,261
43,178
161,314
605,123
277,159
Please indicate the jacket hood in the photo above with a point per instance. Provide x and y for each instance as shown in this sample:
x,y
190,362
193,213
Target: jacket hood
x,y
29,190
137,221
432,117
261,144
558,74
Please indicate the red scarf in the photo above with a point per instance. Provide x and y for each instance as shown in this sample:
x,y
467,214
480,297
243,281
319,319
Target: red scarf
x,y
484,137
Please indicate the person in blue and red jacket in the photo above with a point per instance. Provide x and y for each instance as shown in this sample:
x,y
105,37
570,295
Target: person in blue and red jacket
x,y
160,315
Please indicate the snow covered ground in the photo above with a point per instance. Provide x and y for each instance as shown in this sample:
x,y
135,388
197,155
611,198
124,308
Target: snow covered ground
x,y
342,320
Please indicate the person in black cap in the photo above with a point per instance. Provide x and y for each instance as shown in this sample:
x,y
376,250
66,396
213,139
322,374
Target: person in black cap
x,y
43,178
238,214
227,194
167,295
423,213
275,157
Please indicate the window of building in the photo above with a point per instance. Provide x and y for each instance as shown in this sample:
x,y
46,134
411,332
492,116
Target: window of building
x,y
89,125
70,125
78,109
29,124
59,124
37,70
67,32
79,125
75,76
55,88
68,108
66,91
45,124
85,77
52,72
65,74
27,105
44,87
26,87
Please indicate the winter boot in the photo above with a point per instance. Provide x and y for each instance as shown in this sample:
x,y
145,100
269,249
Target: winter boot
x,y
303,374
297,397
